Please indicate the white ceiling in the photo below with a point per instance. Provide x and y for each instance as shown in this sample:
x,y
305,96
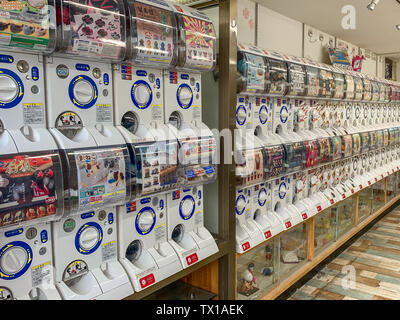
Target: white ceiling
x,y
375,30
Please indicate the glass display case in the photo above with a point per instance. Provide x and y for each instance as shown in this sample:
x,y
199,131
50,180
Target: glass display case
x,y
293,250
345,213
324,230
378,190
257,270
365,203
391,187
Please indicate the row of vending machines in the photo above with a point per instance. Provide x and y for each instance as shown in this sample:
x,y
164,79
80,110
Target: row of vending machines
x,y
103,152
308,136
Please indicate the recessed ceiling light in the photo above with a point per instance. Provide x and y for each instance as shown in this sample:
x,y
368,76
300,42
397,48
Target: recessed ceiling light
x,y
373,4
398,27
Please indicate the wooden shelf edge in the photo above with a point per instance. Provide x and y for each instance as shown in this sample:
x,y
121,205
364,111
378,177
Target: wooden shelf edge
x,y
300,273
224,248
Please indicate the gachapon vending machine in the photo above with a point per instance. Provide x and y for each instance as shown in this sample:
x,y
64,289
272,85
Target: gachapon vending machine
x,y
249,172
79,92
30,164
196,145
143,248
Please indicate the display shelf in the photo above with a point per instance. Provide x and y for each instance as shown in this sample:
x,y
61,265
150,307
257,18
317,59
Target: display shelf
x,y
262,266
346,215
283,284
292,250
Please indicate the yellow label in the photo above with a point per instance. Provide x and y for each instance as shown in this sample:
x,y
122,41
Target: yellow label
x,y
41,265
159,226
32,104
108,243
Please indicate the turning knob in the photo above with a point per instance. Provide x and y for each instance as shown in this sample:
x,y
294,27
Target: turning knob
x,y
262,195
142,93
263,114
13,260
185,95
89,238
8,88
83,91
240,205
241,115
187,207
145,220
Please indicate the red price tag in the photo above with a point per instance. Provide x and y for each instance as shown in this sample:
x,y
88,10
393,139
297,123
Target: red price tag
x,y
147,280
267,234
343,196
332,201
360,186
319,208
369,182
246,246
305,216
352,190
288,224
192,259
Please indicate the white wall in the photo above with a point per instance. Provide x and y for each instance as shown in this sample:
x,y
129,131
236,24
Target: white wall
x,y
246,22
316,44
280,33
369,63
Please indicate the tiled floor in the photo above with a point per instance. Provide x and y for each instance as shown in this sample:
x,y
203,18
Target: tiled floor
x,y
375,260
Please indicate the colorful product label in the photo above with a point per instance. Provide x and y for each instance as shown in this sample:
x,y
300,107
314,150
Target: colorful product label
x,y
156,167
27,188
95,28
101,177
154,33
200,42
255,75
24,24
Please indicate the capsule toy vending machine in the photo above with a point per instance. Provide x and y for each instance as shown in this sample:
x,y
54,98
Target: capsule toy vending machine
x,y
349,97
296,93
375,100
250,172
264,217
254,109
30,164
295,161
323,107
338,108
143,247
196,145
81,119
278,87
353,110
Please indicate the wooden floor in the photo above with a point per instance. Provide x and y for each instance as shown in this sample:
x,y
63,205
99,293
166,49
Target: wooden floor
x,y
374,259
